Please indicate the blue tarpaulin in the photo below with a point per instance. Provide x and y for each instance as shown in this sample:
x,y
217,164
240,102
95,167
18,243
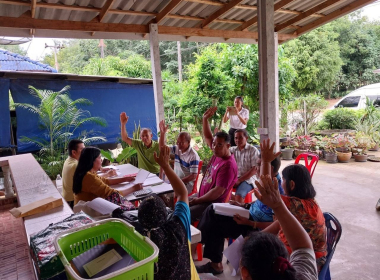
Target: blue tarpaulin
x,y
109,100
5,119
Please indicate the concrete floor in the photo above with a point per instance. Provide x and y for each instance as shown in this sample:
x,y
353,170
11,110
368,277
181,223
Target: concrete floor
x,y
349,191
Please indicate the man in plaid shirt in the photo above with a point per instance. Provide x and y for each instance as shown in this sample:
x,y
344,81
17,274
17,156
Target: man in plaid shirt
x,y
246,157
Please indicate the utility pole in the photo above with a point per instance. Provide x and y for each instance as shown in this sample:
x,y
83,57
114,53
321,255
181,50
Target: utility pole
x,y
55,47
179,61
101,45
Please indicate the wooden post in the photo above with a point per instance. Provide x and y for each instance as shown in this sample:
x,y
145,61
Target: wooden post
x,y
156,72
179,61
268,73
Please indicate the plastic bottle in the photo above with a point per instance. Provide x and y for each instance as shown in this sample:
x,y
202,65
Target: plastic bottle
x,y
58,181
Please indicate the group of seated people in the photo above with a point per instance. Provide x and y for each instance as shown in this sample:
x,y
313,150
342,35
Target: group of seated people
x,y
284,221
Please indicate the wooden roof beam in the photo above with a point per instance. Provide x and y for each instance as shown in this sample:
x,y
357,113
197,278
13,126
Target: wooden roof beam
x,y
225,8
253,20
306,14
63,25
334,15
105,9
165,11
33,7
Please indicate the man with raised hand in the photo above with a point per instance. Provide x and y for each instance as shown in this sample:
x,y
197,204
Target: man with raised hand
x,y
145,146
186,159
221,172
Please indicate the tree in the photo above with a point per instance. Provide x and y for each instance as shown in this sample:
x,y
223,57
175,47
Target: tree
x,y
13,48
316,59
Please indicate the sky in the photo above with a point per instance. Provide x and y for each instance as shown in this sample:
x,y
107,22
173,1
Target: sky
x,y
36,48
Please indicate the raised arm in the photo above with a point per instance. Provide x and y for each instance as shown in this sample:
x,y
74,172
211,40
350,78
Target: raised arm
x,y
225,117
177,184
269,194
206,126
163,130
267,156
124,135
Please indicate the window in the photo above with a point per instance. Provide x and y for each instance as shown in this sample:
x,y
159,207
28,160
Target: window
x,y
350,101
375,99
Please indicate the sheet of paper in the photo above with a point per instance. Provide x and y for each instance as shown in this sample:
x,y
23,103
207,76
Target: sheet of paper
x,y
102,262
102,206
233,252
151,181
141,176
227,209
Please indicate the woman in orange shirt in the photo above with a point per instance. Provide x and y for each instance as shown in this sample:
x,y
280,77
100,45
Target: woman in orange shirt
x,y
88,186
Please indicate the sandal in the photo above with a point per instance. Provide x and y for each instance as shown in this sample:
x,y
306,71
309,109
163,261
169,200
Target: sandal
x,y
207,268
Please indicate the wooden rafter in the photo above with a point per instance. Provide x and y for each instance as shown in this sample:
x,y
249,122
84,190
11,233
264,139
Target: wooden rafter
x,y
64,25
306,14
334,15
105,9
33,7
253,20
139,13
165,11
225,8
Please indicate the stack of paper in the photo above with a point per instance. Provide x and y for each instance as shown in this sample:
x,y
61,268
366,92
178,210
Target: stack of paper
x,y
227,209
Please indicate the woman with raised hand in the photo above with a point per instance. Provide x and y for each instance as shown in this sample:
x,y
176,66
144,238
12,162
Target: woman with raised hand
x,y
172,236
87,185
238,117
264,256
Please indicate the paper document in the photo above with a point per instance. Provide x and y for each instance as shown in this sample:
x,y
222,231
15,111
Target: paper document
x,y
233,253
151,181
102,206
141,176
227,209
102,262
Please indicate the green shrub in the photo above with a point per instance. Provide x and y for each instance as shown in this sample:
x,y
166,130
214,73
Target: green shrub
x,y
340,118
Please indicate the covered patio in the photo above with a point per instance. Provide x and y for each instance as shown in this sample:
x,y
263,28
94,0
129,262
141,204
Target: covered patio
x,y
263,22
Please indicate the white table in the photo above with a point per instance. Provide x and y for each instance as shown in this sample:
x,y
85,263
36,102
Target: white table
x,y
126,169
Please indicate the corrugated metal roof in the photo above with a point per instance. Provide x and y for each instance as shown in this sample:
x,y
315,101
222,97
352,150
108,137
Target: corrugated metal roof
x,y
16,62
187,14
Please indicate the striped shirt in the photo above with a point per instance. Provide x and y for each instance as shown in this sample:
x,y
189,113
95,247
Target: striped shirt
x,y
185,163
245,160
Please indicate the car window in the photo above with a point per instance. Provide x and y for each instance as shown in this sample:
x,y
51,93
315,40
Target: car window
x,y
349,101
375,99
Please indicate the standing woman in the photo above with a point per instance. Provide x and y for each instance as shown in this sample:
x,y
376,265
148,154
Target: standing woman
x,y
238,120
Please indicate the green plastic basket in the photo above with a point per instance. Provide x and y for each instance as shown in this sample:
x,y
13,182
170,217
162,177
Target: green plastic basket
x,y
73,242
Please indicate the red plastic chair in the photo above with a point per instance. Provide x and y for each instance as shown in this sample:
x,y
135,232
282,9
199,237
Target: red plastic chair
x,y
309,165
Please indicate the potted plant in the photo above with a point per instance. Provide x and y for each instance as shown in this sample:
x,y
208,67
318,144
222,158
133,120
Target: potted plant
x,y
364,142
329,145
302,144
287,152
376,140
343,147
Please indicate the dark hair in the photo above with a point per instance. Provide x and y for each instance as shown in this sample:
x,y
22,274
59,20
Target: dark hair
x,y
299,174
241,98
245,133
73,145
224,135
276,163
85,164
186,134
259,252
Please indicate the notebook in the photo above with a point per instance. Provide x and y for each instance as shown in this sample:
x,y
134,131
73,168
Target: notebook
x,y
102,259
227,209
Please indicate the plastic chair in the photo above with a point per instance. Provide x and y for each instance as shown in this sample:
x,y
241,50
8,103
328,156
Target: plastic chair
x,y
195,187
309,165
333,236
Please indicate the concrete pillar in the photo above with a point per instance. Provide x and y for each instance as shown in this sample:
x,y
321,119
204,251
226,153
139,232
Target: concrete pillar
x,y
7,182
156,72
268,72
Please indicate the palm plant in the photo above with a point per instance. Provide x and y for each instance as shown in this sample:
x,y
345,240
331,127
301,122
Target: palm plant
x,y
60,118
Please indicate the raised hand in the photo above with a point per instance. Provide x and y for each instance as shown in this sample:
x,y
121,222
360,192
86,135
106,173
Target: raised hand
x,y
267,154
163,127
163,158
209,113
267,191
123,118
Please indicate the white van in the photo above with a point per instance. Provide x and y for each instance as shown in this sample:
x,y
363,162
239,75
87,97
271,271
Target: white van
x,y
356,99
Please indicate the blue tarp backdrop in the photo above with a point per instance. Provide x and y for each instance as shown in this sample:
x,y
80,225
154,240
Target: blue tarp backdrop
x,y
109,100
5,119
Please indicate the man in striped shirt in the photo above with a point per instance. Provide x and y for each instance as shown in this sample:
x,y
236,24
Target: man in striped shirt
x,y
246,157
186,159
